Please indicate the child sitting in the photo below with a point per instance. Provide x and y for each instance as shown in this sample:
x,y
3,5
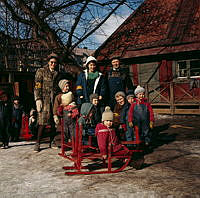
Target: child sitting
x,y
121,102
94,99
141,115
106,134
86,121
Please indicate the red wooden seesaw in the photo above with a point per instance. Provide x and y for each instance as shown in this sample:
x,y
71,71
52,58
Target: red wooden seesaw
x,y
80,154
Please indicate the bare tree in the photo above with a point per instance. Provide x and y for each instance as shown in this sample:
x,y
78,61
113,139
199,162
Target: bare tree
x,y
57,24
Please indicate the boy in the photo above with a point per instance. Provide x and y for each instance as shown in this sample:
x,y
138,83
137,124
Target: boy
x,y
141,114
17,114
106,134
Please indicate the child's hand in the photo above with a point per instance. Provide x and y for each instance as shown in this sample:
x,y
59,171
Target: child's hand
x,y
104,156
130,124
151,125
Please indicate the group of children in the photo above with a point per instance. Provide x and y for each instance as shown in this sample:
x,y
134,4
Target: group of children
x,y
101,123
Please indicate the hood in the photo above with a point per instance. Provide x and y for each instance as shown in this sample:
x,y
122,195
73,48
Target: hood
x,y
85,108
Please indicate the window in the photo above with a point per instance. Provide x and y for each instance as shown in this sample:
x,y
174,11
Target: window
x,y
195,68
188,68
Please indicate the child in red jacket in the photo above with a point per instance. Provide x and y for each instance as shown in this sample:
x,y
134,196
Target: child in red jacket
x,y
141,114
106,134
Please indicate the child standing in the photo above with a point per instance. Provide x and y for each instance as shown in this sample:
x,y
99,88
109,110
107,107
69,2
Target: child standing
x,y
66,108
5,118
106,134
129,132
141,114
17,113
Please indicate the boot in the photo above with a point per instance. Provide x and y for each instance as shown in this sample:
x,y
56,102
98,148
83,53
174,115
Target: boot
x,y
37,147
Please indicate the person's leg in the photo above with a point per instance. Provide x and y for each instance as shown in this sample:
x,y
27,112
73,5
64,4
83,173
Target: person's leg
x,y
40,131
5,138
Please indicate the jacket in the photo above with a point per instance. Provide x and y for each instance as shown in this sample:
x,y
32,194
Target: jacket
x,y
105,136
81,87
45,90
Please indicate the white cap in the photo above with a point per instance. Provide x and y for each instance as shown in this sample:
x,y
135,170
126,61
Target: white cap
x,y
139,90
89,59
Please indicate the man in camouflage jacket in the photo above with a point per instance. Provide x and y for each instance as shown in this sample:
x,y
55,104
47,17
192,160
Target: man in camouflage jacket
x,y
44,93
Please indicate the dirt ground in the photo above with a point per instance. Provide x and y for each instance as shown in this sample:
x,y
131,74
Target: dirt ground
x,y
171,169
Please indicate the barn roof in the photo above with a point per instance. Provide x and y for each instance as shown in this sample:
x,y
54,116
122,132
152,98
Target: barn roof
x,y
156,27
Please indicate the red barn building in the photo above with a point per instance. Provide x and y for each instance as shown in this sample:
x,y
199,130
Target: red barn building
x,y
160,45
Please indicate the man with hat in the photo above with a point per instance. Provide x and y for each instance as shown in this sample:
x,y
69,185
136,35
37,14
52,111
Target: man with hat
x,y
118,80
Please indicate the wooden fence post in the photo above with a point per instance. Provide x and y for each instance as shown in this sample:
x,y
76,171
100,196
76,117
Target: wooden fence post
x,y
172,98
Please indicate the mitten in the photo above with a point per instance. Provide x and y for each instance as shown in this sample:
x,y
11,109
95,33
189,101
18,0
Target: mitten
x,y
39,105
123,126
151,125
56,120
130,124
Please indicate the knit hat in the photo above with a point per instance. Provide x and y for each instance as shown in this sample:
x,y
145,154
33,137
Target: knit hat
x,y
67,98
139,90
107,114
93,96
89,59
130,94
120,93
62,83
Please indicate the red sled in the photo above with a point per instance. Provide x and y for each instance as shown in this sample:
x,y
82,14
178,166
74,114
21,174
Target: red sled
x,y
88,160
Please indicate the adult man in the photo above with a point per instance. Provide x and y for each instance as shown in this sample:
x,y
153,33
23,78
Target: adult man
x,y
44,93
118,80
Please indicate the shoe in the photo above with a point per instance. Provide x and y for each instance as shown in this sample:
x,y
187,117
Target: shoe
x,y
6,147
53,146
37,148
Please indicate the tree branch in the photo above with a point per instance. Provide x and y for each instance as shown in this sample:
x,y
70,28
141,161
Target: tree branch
x,y
59,8
103,21
15,16
69,42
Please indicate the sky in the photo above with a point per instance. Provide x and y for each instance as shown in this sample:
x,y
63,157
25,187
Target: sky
x,y
108,28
